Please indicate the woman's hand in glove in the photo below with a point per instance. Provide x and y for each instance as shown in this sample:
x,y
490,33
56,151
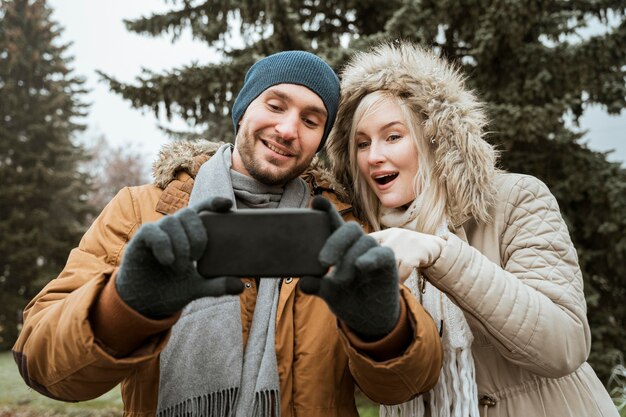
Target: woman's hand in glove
x,y
412,249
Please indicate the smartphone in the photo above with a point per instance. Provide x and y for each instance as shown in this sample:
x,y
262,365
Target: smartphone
x,y
260,243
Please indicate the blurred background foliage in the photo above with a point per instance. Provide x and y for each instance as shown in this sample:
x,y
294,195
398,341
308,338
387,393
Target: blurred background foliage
x,y
538,65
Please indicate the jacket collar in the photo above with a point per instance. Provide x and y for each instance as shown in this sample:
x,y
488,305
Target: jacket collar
x,y
178,163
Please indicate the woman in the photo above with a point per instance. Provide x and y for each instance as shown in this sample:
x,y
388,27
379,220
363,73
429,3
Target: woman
x,y
408,143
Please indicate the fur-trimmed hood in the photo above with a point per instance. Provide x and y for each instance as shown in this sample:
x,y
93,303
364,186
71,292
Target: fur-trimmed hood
x,y
453,121
188,156
181,155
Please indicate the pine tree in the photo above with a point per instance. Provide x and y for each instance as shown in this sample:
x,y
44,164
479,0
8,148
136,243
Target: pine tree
x,y
203,95
42,194
534,63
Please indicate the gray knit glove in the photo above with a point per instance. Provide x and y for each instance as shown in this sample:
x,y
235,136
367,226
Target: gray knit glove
x,y
158,276
362,289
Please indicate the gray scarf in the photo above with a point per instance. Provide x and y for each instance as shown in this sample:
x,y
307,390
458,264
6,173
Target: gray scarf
x,y
249,193
204,370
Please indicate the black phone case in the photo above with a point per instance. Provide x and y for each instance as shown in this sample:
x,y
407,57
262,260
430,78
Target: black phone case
x,y
264,243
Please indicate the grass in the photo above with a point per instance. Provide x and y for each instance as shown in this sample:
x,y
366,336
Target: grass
x,y
366,407
18,400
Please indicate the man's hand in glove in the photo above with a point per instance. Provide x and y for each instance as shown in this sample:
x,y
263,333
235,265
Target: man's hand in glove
x,y
158,276
362,287
412,249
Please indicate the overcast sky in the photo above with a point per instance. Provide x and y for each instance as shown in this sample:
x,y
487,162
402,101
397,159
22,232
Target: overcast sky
x,y
101,42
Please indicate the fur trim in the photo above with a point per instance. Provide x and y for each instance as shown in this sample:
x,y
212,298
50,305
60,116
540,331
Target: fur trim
x,y
453,118
182,155
317,175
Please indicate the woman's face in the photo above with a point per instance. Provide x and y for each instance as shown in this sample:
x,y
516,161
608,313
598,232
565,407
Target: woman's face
x,y
386,155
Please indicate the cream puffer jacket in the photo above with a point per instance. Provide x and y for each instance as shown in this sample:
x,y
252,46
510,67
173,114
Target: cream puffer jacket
x,y
510,263
518,282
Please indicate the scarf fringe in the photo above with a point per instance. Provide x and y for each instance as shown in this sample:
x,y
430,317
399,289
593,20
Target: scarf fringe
x,y
223,404
410,408
219,404
266,404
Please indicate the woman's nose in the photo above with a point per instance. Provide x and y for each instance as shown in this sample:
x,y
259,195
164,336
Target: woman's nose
x,y
376,154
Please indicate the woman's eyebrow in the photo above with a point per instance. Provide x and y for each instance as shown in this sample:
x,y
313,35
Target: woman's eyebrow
x,y
386,126
390,124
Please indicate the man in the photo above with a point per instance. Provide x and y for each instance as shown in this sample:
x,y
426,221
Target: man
x,y
181,344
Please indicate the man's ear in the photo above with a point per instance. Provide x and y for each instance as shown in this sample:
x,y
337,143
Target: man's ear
x,y
237,133
240,119
238,129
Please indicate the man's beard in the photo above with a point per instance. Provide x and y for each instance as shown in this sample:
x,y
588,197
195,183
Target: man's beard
x,y
245,146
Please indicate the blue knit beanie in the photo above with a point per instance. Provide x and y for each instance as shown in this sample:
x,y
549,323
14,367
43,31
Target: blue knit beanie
x,y
290,67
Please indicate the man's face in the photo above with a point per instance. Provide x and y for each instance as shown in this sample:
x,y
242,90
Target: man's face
x,y
279,134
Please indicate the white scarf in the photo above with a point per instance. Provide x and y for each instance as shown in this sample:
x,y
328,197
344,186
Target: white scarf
x,y
455,394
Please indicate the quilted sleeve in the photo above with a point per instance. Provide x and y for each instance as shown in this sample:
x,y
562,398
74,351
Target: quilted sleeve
x,y
533,307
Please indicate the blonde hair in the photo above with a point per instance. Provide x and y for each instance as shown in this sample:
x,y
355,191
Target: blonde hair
x,y
433,211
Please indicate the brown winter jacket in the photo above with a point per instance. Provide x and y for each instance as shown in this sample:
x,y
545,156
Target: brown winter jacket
x,y
76,328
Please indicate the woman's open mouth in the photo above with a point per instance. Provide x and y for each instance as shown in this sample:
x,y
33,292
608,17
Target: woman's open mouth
x,y
385,178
